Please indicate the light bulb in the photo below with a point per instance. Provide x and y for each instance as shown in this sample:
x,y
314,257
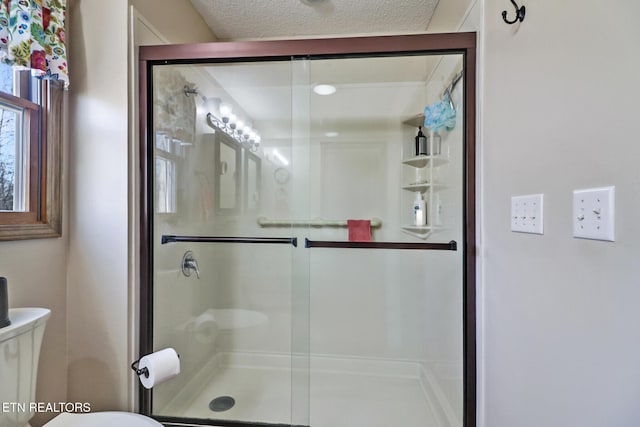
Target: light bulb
x,y
323,89
225,112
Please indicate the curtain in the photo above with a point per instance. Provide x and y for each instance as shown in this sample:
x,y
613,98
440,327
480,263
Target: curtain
x,y
32,36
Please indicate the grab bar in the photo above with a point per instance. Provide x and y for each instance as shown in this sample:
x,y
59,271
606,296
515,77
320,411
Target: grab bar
x,y
316,222
216,239
451,246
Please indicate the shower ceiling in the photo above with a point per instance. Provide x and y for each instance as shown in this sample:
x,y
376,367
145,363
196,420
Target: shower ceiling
x,y
233,19
371,92
257,90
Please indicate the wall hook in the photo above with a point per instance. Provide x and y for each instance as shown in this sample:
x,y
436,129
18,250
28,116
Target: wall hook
x,y
519,14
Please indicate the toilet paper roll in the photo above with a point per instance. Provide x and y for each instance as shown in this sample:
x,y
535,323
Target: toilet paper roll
x,y
162,365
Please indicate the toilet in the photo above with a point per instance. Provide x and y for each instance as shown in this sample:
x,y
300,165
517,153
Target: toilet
x,y
19,343
102,419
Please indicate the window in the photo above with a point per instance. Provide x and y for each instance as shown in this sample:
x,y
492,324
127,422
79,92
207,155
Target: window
x,y
169,153
30,139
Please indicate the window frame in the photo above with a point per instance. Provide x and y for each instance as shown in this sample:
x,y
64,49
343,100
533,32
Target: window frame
x,y
43,122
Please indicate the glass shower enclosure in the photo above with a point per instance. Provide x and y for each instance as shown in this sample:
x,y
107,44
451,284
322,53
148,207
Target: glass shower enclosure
x,y
308,231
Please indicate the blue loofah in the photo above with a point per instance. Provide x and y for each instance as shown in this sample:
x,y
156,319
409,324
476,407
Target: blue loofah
x,y
440,115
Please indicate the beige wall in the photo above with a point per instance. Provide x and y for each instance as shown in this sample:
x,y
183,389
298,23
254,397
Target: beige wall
x,y
102,196
98,197
560,112
36,274
176,20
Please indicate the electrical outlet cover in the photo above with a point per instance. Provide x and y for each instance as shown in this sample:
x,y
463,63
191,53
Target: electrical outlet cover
x,y
594,213
527,214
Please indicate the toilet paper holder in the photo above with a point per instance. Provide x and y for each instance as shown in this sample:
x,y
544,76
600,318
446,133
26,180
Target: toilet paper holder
x,y
139,372
144,371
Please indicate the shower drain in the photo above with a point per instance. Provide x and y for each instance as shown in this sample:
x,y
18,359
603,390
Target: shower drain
x,y
222,403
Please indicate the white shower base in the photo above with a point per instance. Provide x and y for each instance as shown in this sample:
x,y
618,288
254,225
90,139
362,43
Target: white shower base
x,y
343,393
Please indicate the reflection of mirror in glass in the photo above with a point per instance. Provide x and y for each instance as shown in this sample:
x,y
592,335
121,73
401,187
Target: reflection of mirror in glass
x,y
165,185
253,171
227,177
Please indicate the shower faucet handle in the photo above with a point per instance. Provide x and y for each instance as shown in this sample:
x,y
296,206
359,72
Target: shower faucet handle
x,y
189,263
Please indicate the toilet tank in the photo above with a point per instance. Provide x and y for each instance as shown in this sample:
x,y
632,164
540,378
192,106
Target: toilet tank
x,y
19,354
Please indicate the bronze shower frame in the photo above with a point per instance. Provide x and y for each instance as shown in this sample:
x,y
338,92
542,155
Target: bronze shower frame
x,y
430,44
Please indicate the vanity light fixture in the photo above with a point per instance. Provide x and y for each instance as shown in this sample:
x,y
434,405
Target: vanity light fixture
x,y
324,89
225,112
233,126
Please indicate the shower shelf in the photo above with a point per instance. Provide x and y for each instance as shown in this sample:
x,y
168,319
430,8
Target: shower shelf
x,y
420,175
422,187
420,231
422,161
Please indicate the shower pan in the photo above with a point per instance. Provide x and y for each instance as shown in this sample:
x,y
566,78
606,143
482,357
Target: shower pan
x,y
281,253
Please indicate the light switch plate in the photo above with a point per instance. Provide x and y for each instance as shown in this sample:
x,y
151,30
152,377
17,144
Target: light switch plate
x,y
594,213
527,214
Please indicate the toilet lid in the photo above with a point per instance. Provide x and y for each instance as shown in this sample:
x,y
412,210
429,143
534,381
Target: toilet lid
x,y
102,419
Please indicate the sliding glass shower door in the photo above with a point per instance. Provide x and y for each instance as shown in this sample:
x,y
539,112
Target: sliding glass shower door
x,y
386,292
308,232
224,285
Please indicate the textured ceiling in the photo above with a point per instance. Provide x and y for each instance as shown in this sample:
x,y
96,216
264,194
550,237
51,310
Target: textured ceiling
x,y
250,19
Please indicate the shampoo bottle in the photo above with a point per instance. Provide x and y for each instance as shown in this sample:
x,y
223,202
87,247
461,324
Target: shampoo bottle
x,y
421,143
419,211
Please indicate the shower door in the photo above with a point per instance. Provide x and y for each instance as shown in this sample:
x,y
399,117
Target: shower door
x,y
285,261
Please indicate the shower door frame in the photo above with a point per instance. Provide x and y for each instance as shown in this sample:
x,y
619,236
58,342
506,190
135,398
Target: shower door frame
x,y
431,44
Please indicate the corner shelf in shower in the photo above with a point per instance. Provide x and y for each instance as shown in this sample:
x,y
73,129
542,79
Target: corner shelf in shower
x,y
414,121
423,186
427,188
422,161
419,231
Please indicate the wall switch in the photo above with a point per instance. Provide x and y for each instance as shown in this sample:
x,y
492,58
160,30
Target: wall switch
x,y
593,213
526,214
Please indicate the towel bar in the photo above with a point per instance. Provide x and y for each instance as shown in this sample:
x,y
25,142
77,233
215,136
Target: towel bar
x,y
451,246
216,239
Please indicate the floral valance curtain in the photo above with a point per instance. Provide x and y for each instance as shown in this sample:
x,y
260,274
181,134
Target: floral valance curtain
x,y
32,36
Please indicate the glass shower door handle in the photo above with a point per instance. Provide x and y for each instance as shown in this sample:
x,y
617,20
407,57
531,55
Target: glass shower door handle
x,y
450,246
226,239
